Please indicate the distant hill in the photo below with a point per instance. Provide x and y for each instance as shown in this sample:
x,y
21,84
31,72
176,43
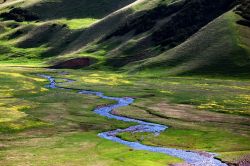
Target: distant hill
x,y
171,36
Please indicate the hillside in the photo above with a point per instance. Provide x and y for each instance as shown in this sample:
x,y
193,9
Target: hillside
x,y
221,47
26,29
125,82
133,37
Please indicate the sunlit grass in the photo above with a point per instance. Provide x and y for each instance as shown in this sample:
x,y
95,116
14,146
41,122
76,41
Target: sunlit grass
x,y
78,23
225,95
12,108
106,79
34,106
10,54
10,112
60,125
212,141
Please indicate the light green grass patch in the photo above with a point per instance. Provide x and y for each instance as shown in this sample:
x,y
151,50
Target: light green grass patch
x,y
77,23
83,148
212,141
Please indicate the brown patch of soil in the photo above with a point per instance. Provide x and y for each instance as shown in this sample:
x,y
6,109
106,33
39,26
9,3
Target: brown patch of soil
x,y
189,113
73,63
244,161
3,146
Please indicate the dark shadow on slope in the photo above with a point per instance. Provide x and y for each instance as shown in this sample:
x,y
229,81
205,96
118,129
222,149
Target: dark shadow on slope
x,y
180,21
19,32
194,15
55,36
71,9
244,11
19,15
58,37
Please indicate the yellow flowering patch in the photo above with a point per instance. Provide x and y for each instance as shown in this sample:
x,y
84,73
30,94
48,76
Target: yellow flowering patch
x,y
167,92
245,97
43,89
6,93
38,90
22,83
201,85
25,124
94,75
240,87
38,79
107,79
11,74
173,83
11,113
211,105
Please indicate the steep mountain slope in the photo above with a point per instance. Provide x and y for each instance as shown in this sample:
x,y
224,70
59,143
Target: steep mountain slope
x,y
164,27
49,9
172,36
220,47
45,35
173,47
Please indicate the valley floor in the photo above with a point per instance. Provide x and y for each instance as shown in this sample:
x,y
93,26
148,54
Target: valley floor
x,y
40,126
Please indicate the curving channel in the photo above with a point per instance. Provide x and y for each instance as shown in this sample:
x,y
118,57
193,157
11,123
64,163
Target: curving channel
x,y
192,158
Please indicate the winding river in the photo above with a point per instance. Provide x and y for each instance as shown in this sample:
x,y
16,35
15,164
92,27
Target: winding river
x,y
192,158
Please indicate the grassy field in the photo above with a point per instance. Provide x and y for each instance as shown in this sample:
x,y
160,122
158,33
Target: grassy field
x,y
210,114
39,126
71,30
36,121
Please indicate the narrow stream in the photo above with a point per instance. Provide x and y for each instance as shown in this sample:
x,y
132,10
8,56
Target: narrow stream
x,y
192,158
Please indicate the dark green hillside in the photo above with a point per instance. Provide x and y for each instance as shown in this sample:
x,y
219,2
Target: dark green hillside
x,y
174,37
171,44
222,47
164,27
76,9
29,34
49,9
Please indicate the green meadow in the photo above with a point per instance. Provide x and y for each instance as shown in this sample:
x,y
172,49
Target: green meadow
x,y
39,126
58,127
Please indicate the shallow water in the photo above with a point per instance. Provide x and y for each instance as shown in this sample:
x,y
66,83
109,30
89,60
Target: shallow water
x,y
192,158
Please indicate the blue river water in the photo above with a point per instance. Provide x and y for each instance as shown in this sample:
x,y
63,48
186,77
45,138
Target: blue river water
x,y
190,157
